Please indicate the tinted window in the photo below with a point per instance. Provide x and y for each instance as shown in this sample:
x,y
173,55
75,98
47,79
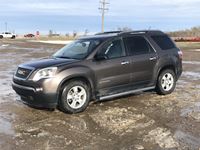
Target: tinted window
x,y
113,50
137,45
164,42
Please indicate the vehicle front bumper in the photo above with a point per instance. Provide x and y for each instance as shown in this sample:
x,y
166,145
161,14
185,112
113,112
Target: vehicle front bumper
x,y
35,97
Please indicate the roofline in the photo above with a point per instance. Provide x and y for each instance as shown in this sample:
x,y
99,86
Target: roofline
x,y
111,34
130,32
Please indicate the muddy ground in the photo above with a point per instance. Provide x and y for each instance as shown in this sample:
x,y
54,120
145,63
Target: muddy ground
x,y
141,121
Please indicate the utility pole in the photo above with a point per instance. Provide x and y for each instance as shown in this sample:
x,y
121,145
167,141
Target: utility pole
x,y
6,26
103,10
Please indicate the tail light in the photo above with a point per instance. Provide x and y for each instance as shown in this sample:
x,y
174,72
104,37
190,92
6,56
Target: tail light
x,y
180,54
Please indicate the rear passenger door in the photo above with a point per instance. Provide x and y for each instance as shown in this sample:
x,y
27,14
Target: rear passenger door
x,y
143,59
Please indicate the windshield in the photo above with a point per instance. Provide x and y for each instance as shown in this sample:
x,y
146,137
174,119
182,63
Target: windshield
x,y
78,49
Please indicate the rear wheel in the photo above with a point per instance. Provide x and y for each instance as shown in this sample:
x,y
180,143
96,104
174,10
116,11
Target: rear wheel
x,y
13,37
166,82
1,36
75,97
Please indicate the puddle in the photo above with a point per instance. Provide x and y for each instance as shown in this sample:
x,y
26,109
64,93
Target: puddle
x,y
25,48
5,85
6,94
6,127
7,61
197,50
192,62
191,75
14,47
182,83
189,110
5,45
187,139
198,86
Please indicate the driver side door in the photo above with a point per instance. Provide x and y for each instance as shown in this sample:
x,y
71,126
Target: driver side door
x,y
113,71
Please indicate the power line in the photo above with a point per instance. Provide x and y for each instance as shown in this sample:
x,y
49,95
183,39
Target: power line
x,y
103,8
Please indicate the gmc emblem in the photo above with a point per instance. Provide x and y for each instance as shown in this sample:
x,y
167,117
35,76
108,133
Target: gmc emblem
x,y
21,72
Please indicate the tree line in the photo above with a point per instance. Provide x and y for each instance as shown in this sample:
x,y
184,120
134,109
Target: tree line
x,y
193,32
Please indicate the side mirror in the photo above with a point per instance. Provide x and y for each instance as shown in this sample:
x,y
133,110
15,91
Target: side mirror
x,y
99,57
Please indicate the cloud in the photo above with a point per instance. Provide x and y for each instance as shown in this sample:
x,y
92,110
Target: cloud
x,y
60,7
134,8
44,7
140,13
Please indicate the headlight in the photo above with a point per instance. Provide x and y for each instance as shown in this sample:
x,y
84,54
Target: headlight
x,y
45,73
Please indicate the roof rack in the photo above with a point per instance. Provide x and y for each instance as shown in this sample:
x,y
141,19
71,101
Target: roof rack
x,y
133,32
109,32
142,32
130,32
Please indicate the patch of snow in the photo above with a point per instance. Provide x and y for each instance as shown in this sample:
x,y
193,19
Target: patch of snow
x,y
53,42
192,62
162,137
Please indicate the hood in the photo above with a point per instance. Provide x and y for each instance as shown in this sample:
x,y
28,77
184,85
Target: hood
x,y
48,62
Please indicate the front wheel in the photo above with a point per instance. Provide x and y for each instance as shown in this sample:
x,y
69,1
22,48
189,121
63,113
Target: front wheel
x,y
166,82
75,97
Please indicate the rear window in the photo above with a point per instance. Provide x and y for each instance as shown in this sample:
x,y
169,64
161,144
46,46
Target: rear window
x,y
137,45
164,42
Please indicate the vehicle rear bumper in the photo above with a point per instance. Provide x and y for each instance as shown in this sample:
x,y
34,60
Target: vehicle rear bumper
x,y
35,96
179,70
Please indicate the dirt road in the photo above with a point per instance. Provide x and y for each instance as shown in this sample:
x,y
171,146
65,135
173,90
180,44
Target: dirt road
x,y
140,121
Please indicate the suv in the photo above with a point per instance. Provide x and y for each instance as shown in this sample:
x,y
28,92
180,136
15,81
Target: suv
x,y
103,66
7,35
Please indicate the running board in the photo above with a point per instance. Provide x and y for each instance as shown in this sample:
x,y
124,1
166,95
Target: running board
x,y
125,93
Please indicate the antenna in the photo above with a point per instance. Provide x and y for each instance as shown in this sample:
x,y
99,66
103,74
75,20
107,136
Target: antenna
x,y
103,8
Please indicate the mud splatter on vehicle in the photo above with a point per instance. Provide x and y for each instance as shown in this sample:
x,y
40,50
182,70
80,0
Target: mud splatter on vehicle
x,y
139,121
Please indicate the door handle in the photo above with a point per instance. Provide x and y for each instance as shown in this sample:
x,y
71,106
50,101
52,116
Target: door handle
x,y
152,58
125,63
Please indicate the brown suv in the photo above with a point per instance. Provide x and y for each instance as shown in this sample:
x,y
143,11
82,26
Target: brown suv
x,y
100,67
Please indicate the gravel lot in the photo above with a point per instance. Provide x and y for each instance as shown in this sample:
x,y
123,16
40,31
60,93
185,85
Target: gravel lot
x,y
141,121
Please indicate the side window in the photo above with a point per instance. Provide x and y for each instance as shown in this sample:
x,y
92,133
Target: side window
x,y
163,41
113,50
137,45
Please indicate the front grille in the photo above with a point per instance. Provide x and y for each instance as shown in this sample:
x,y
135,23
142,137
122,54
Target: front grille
x,y
23,73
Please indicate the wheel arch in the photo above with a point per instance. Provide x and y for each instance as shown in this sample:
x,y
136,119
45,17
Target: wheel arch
x,y
13,37
165,67
159,89
78,78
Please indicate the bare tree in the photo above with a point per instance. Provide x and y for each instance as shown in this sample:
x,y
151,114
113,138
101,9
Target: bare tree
x,y
193,32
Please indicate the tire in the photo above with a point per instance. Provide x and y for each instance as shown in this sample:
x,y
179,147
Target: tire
x,y
166,82
1,37
13,37
75,97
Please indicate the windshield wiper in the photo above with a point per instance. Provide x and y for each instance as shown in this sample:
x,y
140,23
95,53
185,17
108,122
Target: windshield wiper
x,y
65,57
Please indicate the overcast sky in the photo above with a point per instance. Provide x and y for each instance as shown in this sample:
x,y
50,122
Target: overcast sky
x,y
68,15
